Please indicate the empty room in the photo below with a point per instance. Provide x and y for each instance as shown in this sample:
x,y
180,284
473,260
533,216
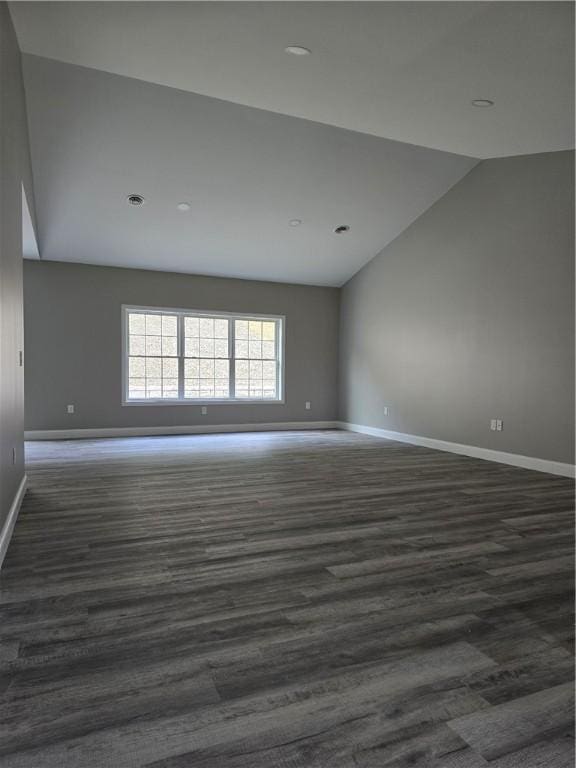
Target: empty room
x,y
287,347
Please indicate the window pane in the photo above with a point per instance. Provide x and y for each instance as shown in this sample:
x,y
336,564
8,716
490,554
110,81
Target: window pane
x,y
170,388
220,348
206,387
206,347
137,388
206,327
241,329
221,369
222,388
153,345
207,369
242,369
268,350
153,367
256,379
137,323
137,367
255,369
192,347
242,387
255,349
153,387
170,346
268,331
241,348
191,369
221,329
149,337
153,325
191,326
170,368
137,345
169,325
255,330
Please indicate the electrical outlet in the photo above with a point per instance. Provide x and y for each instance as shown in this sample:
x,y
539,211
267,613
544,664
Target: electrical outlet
x,y
204,410
308,405
386,410
499,425
493,424
70,409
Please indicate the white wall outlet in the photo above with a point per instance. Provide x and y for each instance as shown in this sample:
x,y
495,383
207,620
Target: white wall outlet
x,y
386,410
308,405
70,409
493,424
204,410
499,425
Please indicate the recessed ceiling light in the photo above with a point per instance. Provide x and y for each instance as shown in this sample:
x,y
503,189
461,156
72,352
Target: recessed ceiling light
x,y
342,229
298,50
183,206
135,200
482,103
295,222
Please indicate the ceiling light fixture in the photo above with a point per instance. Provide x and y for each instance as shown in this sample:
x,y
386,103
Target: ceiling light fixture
x,y
298,50
482,103
135,200
183,206
295,222
342,229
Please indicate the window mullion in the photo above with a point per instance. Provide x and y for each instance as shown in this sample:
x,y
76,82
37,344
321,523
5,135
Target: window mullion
x,y
232,356
180,349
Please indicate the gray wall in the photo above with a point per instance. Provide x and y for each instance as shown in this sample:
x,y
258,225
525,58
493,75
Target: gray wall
x,y
15,171
469,315
73,345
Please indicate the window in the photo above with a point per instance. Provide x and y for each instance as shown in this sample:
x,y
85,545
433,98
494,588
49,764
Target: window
x,y
176,356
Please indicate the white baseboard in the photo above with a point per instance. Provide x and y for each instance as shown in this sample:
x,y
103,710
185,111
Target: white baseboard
x,y
202,429
501,457
8,528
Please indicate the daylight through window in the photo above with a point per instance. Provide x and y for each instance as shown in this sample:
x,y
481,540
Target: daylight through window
x,y
184,356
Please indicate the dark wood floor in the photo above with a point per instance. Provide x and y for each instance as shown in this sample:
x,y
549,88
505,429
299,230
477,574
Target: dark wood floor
x,y
285,600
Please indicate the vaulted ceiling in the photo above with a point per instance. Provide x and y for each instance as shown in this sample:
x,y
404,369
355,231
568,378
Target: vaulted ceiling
x,y
199,102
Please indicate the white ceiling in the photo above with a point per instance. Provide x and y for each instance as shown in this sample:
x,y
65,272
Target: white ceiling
x,y
199,102
97,137
401,70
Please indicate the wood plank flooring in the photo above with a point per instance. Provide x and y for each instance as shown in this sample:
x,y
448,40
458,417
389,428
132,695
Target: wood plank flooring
x,y
285,600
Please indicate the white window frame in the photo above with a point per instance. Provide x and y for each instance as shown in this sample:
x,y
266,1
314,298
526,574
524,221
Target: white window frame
x,y
280,337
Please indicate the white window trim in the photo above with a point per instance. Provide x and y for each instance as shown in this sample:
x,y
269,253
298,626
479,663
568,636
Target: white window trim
x,y
188,401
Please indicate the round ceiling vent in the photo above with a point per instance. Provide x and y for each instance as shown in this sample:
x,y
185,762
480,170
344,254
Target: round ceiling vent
x,y
341,229
135,200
